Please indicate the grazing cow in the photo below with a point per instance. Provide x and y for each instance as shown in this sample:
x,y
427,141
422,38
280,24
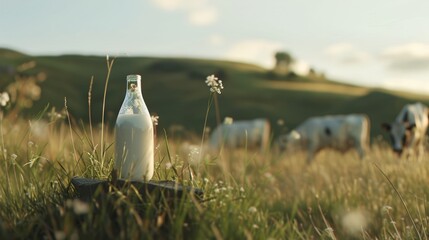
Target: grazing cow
x,y
245,133
339,132
408,130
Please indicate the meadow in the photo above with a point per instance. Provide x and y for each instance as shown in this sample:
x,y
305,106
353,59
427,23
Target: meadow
x,y
247,194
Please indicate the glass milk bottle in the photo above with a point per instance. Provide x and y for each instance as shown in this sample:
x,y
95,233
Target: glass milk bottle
x,y
134,136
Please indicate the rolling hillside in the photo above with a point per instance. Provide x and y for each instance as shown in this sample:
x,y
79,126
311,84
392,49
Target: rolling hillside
x,y
174,89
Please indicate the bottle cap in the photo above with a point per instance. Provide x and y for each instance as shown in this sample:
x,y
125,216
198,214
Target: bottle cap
x,y
134,77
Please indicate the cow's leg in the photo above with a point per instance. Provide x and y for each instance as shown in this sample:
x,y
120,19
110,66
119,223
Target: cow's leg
x,y
420,151
310,153
310,156
361,151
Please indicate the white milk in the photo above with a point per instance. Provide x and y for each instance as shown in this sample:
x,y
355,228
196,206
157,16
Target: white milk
x,y
134,147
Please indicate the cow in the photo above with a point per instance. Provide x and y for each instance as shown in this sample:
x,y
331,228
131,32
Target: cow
x,y
408,130
253,134
339,132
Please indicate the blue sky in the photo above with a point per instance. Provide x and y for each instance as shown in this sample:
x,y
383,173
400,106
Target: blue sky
x,y
383,43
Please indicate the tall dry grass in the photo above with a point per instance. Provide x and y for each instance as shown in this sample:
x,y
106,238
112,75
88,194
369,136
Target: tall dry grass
x,y
247,194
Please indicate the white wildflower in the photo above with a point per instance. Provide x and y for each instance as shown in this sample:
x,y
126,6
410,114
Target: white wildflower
x,y
252,209
13,158
168,165
386,209
354,221
330,232
4,98
215,84
154,120
255,226
228,120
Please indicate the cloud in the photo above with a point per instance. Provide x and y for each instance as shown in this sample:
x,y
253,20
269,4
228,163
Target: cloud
x,y
407,57
203,16
216,40
254,51
347,53
199,12
168,5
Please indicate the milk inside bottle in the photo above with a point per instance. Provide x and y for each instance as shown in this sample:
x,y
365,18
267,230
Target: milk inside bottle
x,y
134,136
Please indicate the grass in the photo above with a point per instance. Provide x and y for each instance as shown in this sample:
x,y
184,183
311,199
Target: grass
x,y
248,194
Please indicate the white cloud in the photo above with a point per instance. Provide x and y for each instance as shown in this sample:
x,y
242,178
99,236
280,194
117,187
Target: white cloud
x,y
199,12
216,40
347,53
169,5
254,51
203,16
411,56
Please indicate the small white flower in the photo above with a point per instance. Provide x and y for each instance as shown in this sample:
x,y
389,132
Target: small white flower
x,y
329,231
154,120
252,209
228,120
215,84
4,98
386,209
13,159
168,165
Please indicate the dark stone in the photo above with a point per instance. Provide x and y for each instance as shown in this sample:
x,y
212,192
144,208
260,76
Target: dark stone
x,y
87,188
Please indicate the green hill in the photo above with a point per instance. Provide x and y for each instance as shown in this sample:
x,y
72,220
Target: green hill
x,y
174,88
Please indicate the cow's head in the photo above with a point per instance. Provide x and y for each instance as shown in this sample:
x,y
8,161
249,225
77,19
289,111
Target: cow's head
x,y
288,140
400,134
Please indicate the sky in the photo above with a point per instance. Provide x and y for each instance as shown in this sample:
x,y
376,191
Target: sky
x,y
377,43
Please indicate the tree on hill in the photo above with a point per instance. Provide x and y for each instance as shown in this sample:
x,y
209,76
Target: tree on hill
x,y
283,62
316,75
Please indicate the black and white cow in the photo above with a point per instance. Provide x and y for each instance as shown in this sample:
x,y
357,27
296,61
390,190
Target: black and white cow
x,y
339,132
408,131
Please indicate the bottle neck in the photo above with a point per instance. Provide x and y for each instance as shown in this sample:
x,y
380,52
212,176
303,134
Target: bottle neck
x,y
133,85
133,102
